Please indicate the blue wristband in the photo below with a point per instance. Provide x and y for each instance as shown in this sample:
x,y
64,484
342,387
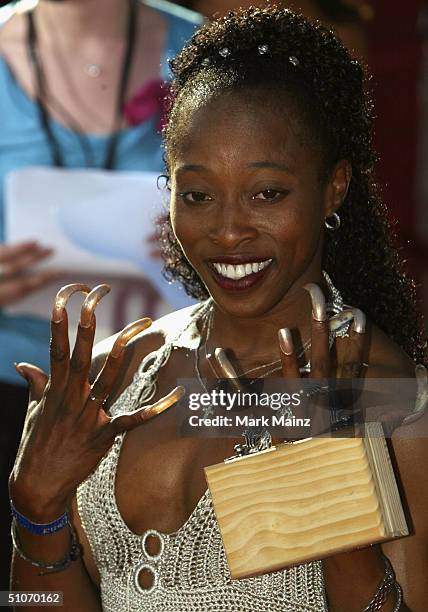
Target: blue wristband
x,y
39,528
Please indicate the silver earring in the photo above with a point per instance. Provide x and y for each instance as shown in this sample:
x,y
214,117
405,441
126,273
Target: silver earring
x,y
332,223
225,52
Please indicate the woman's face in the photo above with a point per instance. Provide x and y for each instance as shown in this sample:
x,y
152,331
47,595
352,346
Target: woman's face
x,y
248,205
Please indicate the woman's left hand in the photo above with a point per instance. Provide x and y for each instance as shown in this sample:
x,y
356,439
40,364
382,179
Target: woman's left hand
x,y
320,360
351,578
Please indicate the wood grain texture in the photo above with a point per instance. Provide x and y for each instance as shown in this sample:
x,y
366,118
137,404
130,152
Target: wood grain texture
x,y
295,503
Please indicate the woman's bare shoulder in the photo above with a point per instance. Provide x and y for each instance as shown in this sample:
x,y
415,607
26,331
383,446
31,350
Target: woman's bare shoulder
x,y
143,344
409,442
409,452
385,357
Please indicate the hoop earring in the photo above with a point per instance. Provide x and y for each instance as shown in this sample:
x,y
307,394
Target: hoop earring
x,y
332,223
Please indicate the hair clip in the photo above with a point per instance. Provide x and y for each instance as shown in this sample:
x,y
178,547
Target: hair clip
x,y
225,52
293,60
263,49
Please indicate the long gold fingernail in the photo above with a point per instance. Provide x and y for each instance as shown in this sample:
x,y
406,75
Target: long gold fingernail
x,y
286,341
226,368
318,302
90,304
131,330
359,325
164,403
62,298
19,369
224,364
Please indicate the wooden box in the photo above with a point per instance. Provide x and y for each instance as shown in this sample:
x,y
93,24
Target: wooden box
x,y
305,500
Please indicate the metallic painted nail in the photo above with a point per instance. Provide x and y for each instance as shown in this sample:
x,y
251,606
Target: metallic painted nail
x,y
163,403
18,368
359,325
62,298
226,368
318,302
90,303
286,341
131,330
341,320
224,364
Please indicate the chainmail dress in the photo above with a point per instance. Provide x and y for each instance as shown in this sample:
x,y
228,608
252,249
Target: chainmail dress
x,y
189,571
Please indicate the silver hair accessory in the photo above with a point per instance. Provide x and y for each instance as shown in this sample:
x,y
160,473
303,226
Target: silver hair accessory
x,y
332,223
293,60
206,61
263,49
225,52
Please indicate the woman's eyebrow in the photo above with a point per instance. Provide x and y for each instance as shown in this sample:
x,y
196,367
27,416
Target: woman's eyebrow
x,y
190,168
255,164
270,165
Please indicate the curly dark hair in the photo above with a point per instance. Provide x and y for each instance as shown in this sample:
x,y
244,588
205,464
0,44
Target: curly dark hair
x,y
281,54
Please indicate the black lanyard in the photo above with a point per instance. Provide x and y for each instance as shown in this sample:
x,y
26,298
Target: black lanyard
x,y
111,148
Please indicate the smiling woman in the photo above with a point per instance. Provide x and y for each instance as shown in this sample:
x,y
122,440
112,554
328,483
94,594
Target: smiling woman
x,y
319,122
256,198
274,222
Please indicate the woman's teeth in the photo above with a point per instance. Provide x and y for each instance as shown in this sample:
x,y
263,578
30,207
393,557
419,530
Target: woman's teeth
x,y
241,270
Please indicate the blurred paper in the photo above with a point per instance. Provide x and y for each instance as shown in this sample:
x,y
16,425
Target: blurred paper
x,y
98,222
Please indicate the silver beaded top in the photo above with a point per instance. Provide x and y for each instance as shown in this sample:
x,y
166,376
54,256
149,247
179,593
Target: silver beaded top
x,y
189,572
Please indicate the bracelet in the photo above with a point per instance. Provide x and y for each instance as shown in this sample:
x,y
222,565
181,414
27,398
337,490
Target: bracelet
x,y
399,599
387,585
39,528
73,554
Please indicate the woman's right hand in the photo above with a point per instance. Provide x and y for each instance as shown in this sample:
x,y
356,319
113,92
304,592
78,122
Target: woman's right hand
x,y
67,430
16,277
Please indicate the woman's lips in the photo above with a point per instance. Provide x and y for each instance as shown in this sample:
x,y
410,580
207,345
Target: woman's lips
x,y
238,277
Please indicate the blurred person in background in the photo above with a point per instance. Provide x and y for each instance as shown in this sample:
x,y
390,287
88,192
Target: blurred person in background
x,y
80,86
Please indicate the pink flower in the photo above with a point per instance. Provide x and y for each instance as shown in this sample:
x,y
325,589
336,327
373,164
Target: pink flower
x,y
150,100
